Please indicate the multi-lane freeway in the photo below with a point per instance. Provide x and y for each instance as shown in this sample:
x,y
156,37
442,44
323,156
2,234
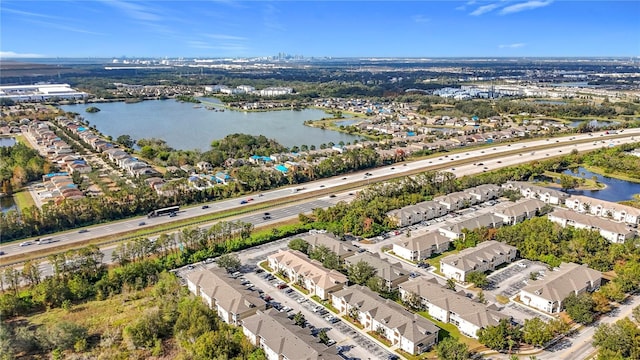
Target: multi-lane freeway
x,y
461,163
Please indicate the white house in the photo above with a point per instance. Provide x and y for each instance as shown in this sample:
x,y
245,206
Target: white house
x,y
310,274
417,248
548,293
512,214
467,315
414,214
456,231
486,192
409,332
612,231
230,300
281,339
485,256
608,209
548,196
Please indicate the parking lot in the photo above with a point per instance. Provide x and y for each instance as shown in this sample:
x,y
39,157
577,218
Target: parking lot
x,y
351,343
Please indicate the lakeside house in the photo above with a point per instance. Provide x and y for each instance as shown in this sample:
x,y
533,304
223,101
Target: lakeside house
x,y
605,209
529,191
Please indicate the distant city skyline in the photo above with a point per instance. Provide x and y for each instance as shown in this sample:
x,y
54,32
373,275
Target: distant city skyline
x,y
227,28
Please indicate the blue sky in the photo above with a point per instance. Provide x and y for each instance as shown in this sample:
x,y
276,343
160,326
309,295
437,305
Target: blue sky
x,y
227,28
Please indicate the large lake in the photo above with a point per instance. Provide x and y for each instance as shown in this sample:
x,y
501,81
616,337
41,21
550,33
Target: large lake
x,y
185,127
616,190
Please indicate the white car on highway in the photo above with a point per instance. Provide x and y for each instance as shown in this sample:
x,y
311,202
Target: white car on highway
x,y
26,243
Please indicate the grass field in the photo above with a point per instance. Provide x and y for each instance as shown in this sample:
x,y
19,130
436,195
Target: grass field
x,y
23,199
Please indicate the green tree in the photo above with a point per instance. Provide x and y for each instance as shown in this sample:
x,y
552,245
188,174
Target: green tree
x,y
503,336
299,319
580,308
478,278
62,335
621,339
229,262
451,349
536,332
126,141
451,284
322,335
636,313
299,244
360,272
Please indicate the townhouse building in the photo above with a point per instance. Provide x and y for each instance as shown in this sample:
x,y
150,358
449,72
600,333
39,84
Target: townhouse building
x,y
605,209
512,214
421,247
392,273
410,332
467,315
549,292
310,274
612,231
225,295
485,256
548,196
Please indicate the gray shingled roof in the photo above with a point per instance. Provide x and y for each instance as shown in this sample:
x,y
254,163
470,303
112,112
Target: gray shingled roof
x,y
392,314
384,269
467,259
424,241
557,285
284,337
467,309
227,292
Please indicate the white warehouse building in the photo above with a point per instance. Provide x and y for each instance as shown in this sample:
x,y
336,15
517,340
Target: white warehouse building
x,y
41,92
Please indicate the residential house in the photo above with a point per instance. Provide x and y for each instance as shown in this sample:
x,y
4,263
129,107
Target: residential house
x,y
467,315
310,274
392,273
548,196
612,231
224,294
410,332
608,209
549,292
456,201
282,339
485,256
512,214
486,192
341,248
414,214
456,230
204,166
421,247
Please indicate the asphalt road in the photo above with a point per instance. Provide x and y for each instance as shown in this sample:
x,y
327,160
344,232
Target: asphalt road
x,y
563,145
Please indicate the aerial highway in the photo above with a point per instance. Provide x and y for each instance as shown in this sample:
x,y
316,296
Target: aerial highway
x,y
459,162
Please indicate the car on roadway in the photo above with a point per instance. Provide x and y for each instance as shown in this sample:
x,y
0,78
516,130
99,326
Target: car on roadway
x,y
82,231
243,202
141,223
26,243
332,195
266,217
344,178
250,199
2,253
322,185
393,168
205,207
173,214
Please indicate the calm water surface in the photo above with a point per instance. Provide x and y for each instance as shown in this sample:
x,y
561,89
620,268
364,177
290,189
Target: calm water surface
x,y
7,141
616,190
186,127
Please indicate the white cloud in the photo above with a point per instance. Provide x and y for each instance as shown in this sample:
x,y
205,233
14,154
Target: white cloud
x,y
225,37
529,5
420,19
511,46
134,10
484,9
11,54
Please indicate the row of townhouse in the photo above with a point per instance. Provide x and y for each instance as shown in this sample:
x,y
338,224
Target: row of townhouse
x,y
420,247
485,256
467,315
407,331
618,212
613,231
132,165
442,205
309,274
59,187
266,328
57,150
529,191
